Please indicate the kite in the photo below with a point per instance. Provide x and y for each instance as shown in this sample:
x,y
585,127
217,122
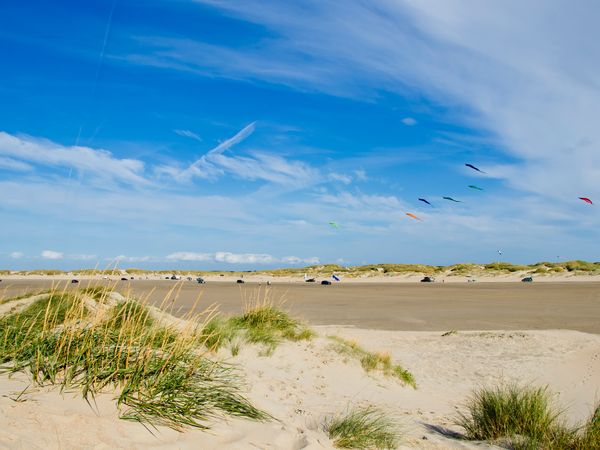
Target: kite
x,y
500,252
473,167
477,188
587,200
425,201
335,277
413,216
451,199
334,224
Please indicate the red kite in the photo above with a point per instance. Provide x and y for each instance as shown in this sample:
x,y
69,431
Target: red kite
x,y
587,200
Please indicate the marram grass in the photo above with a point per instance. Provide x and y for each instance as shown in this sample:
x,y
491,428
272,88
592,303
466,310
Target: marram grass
x,y
161,375
363,428
261,323
373,361
524,418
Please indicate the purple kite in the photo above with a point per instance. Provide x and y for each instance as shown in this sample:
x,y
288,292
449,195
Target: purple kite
x,y
473,167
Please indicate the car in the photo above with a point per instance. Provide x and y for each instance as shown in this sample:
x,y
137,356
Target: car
x,y
175,277
124,279
527,280
326,282
200,280
310,280
240,281
428,280
74,281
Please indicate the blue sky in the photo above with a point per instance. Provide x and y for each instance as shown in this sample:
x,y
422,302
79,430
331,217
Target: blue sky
x,y
227,134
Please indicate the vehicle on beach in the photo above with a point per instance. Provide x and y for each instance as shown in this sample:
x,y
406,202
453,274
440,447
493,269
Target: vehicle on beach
x,y
326,282
240,281
200,280
428,280
527,280
309,280
124,279
74,281
175,277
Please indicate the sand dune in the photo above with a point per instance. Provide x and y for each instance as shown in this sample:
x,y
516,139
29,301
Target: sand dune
x,y
302,383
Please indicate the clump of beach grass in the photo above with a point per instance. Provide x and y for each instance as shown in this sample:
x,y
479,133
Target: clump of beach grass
x,y
372,361
525,418
261,323
363,428
161,376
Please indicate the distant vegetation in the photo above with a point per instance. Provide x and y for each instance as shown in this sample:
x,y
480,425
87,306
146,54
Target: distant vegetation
x,y
464,269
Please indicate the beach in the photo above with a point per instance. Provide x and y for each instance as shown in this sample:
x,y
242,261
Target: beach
x,y
407,306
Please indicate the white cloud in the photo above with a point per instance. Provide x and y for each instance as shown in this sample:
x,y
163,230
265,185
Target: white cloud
x,y
16,255
244,258
51,254
340,177
409,121
257,166
239,258
92,162
13,164
81,257
296,260
124,258
190,256
189,134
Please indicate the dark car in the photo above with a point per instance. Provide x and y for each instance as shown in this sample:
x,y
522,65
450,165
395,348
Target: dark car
x,y
124,279
527,280
74,281
240,281
428,280
326,282
310,280
200,280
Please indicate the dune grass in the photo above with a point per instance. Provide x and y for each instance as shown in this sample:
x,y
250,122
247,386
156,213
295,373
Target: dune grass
x,y
372,361
261,323
363,428
524,418
161,376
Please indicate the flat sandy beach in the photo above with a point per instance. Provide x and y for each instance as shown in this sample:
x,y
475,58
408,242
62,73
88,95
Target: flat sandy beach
x,y
383,306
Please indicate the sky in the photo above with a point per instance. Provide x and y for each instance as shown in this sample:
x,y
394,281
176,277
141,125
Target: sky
x,y
217,134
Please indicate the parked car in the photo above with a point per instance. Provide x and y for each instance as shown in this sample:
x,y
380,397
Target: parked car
x,y
527,280
326,282
124,279
200,280
310,280
240,281
74,281
428,280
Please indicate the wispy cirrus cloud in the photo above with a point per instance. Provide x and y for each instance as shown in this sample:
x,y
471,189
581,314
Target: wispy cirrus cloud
x,y
522,79
102,164
188,133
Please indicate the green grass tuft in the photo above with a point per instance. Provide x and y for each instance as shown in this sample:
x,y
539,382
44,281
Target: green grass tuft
x,y
371,361
525,419
363,428
262,324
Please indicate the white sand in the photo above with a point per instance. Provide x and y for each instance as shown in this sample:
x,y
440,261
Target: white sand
x,y
303,383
